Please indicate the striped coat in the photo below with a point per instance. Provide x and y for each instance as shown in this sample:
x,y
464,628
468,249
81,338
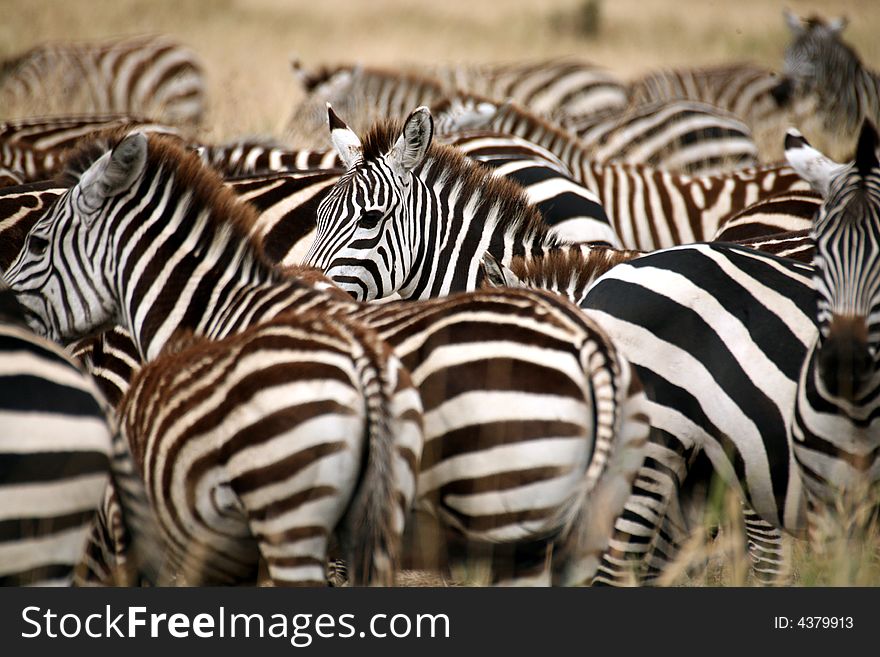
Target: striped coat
x,y
150,76
55,456
563,471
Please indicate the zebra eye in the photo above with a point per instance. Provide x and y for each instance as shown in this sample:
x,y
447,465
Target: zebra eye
x,y
370,219
38,245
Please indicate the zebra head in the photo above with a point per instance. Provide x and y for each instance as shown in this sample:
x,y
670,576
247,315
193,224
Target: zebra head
x,y
808,58
846,230
368,226
59,276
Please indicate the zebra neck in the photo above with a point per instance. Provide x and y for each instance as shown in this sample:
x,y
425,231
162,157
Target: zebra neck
x,y
836,441
590,173
458,226
187,274
848,97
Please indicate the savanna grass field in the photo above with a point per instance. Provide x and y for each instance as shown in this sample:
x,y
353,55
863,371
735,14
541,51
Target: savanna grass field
x,y
247,46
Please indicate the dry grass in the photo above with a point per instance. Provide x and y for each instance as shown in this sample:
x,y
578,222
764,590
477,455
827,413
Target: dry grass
x,y
246,43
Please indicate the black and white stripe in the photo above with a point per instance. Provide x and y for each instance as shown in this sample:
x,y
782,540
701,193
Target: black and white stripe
x,y
680,136
55,455
745,90
33,148
767,366
652,208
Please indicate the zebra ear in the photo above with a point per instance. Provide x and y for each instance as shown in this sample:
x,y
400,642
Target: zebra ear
x,y
411,147
496,274
866,151
115,171
345,141
809,163
793,21
837,25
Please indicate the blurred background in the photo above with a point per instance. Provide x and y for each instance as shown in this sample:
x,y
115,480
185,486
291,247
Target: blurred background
x,y
246,45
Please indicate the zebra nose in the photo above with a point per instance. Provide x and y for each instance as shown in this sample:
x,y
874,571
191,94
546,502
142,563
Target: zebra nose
x,y
782,92
845,362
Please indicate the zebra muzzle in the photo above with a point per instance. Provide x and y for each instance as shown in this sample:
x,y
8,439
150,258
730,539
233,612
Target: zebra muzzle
x,y
845,362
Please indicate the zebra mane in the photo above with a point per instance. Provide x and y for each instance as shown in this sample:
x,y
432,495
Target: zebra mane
x,y
569,267
203,183
449,164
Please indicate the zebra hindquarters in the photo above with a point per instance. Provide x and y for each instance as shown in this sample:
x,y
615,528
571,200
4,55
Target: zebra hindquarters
x,y
252,448
521,424
374,523
55,450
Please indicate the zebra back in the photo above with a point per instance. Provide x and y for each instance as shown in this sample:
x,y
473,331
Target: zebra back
x,y
561,88
146,75
743,89
34,148
683,136
782,213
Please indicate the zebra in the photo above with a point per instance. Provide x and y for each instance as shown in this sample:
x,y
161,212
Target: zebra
x,y
33,148
367,93
681,136
545,473
836,421
748,359
58,453
147,75
349,385
396,222
821,67
651,208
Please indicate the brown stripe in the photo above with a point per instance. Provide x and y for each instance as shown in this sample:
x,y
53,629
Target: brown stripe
x,y
479,437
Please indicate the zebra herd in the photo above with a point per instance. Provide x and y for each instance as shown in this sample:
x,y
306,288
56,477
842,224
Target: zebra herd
x,y
528,303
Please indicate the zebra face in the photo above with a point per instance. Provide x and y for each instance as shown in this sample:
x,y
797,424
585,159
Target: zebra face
x,y
367,233
847,278
60,277
814,53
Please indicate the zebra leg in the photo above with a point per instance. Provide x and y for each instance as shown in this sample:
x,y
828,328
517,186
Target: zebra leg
x,y
104,561
522,564
765,548
637,529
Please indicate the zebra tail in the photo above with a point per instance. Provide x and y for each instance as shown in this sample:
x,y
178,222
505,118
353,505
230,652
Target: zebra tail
x,y
139,523
621,435
373,525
